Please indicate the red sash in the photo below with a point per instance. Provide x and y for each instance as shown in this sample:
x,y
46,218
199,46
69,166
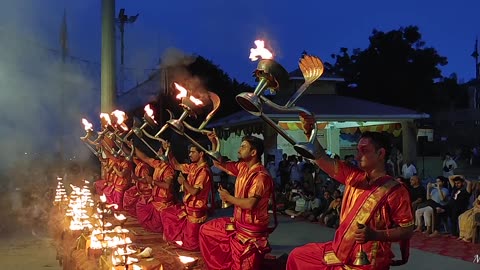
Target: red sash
x,y
366,205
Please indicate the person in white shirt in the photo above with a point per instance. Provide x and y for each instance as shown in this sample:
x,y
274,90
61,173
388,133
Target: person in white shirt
x,y
449,165
408,170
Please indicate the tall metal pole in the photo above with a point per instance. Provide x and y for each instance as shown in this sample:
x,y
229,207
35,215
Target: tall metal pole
x,y
64,49
108,95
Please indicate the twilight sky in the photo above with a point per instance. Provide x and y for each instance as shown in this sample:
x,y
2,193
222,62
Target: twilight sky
x,y
224,31
32,77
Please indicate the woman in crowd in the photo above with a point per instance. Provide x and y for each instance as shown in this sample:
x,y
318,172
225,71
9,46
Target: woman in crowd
x,y
466,222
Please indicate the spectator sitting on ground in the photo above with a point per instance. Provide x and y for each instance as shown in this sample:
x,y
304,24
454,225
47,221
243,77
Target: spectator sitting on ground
x,y
324,204
304,206
331,217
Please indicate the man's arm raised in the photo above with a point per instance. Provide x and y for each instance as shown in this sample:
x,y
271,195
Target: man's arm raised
x,y
326,163
171,158
222,165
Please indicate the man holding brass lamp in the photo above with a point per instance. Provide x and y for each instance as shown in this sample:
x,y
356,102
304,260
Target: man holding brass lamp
x,y
149,210
182,222
376,211
240,242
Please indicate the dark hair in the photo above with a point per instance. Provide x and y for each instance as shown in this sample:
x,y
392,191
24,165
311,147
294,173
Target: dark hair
x,y
458,179
256,143
196,148
379,140
443,179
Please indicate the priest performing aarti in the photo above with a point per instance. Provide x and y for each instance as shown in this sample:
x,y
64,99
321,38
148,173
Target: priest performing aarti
x,y
142,190
148,211
376,211
182,222
241,241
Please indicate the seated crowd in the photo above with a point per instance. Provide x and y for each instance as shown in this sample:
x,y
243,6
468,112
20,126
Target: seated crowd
x,y
447,206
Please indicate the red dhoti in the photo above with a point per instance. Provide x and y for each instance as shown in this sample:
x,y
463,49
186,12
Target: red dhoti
x,y
225,247
130,199
116,196
182,224
149,214
102,186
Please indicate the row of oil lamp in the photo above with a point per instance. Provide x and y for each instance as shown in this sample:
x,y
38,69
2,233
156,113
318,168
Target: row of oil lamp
x,y
82,214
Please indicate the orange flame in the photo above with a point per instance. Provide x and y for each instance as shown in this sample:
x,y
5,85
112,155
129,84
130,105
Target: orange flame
x,y
149,112
121,117
183,91
260,51
106,117
186,259
196,101
88,125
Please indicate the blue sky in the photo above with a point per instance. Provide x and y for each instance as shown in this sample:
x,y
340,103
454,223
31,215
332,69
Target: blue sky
x,y
224,31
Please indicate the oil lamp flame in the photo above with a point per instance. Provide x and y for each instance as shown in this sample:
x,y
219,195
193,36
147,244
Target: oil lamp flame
x,y
106,117
120,217
88,125
260,51
119,115
183,91
149,112
185,259
195,100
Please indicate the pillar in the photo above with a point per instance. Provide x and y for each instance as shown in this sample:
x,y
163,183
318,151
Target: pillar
x,y
108,87
409,141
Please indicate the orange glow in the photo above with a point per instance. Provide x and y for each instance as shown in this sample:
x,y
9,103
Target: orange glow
x,y
185,259
149,112
196,101
106,118
121,117
88,125
260,51
183,91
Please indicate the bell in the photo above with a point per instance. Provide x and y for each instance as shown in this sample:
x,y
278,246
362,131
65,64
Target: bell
x,y
226,204
361,258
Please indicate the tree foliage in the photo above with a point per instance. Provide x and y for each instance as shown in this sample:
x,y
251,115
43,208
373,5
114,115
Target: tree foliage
x,y
397,68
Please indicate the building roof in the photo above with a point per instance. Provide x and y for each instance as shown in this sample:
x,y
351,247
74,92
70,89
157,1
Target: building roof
x,y
328,108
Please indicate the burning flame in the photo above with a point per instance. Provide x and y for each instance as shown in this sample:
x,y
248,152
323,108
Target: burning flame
x,y
260,51
106,117
185,259
121,117
184,93
120,217
149,112
196,101
88,125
